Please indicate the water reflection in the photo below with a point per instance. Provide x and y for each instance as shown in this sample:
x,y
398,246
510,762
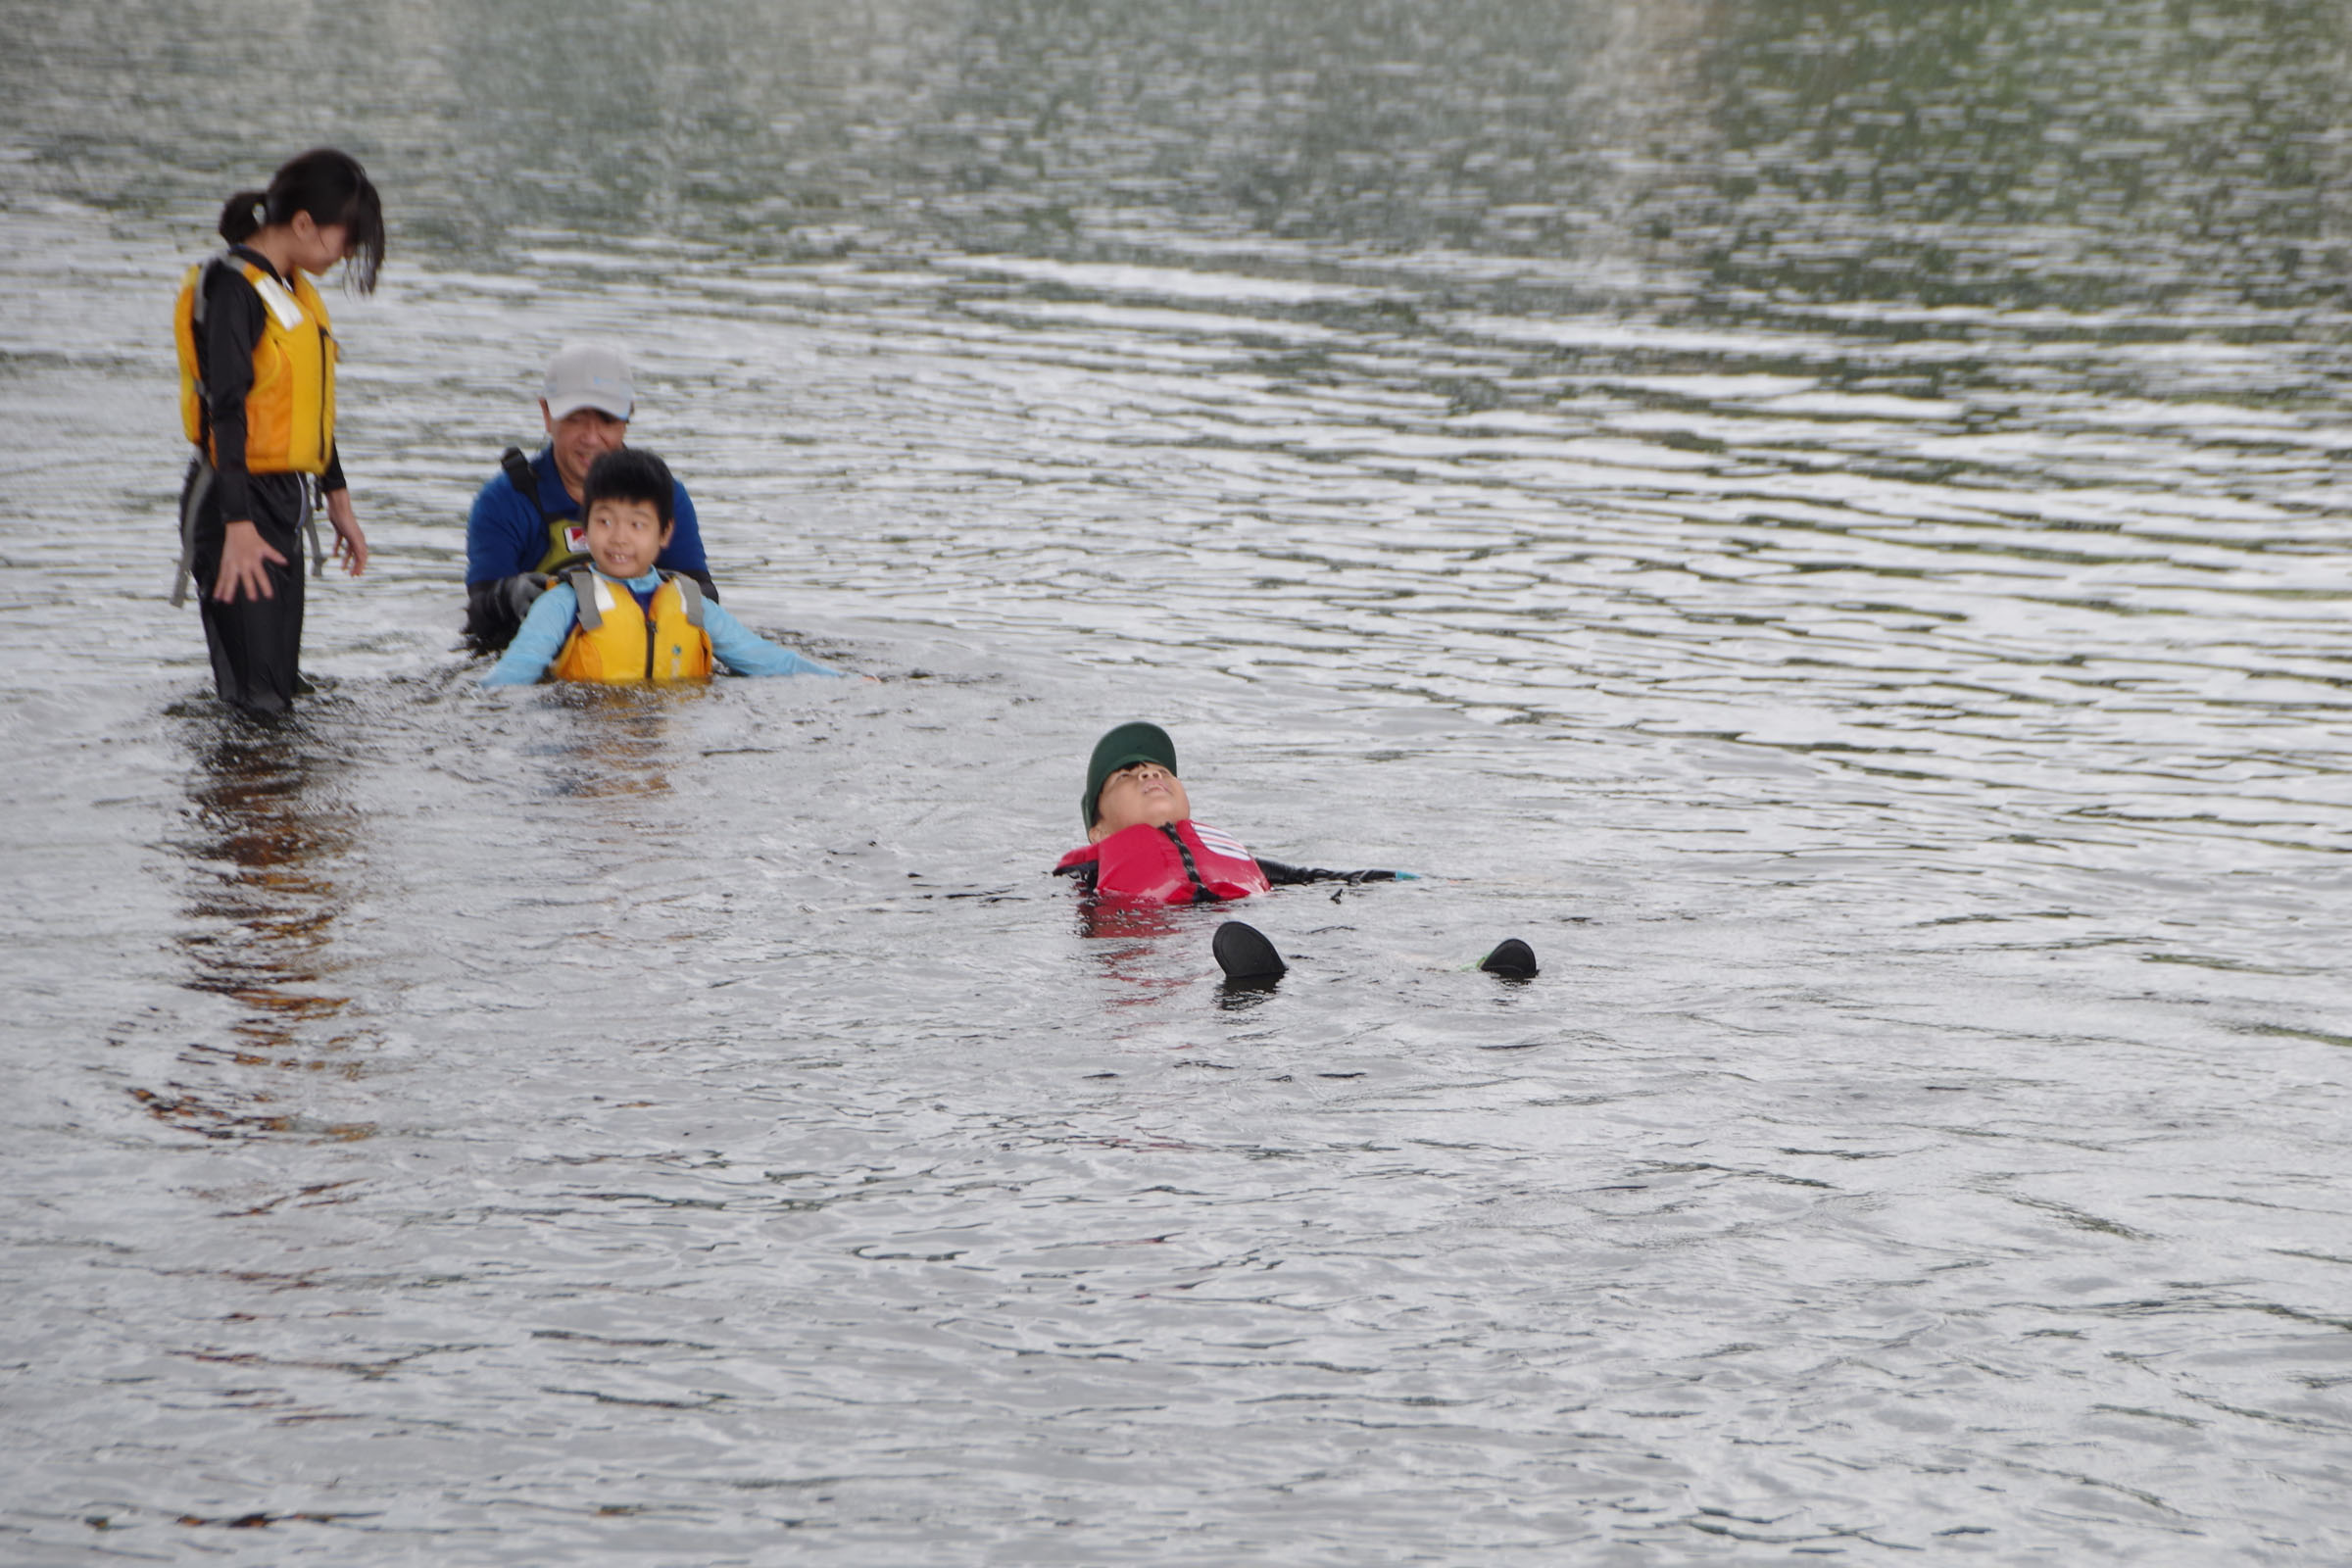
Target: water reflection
x,y
272,832
2024,155
1713,159
1127,944
266,902
618,745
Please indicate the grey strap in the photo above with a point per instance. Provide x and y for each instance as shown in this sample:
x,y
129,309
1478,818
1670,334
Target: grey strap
x,y
690,592
309,521
202,277
194,499
583,587
518,469
190,505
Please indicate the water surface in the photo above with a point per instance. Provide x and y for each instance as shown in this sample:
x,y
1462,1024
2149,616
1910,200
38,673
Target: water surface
x,y
1825,520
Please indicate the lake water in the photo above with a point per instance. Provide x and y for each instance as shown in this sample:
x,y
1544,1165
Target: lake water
x,y
1826,521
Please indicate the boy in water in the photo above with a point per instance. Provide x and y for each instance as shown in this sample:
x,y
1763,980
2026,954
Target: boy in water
x,y
1142,845
625,621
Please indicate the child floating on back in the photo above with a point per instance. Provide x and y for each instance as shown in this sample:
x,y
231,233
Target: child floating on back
x,y
1142,843
1142,846
624,621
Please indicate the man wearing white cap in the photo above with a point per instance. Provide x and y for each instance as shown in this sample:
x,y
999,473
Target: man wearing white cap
x,y
526,523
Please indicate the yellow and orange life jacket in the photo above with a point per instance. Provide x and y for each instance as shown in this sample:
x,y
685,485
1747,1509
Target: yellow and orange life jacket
x,y
616,642
290,412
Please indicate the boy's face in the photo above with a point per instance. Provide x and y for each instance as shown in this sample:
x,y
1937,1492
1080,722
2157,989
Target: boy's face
x,y
626,537
1143,792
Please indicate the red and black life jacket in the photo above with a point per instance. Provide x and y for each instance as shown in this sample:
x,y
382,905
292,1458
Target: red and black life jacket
x,y
1181,863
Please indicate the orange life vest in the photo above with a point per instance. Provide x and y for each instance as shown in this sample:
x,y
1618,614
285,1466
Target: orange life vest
x,y
618,643
290,412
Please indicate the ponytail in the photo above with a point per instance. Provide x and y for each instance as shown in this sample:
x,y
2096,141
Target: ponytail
x,y
242,216
332,188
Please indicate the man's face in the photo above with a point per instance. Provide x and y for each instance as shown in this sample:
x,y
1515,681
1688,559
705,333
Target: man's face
x,y
581,438
1142,793
625,537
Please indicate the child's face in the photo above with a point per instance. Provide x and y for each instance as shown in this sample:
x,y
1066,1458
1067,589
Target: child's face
x,y
625,537
318,247
1143,792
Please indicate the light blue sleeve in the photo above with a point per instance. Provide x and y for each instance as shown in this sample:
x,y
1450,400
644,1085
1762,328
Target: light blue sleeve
x,y
541,638
746,652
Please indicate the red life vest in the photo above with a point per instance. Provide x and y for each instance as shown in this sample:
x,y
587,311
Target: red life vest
x,y
1181,863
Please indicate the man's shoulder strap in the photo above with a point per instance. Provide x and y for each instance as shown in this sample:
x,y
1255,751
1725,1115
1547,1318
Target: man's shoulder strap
x,y
523,477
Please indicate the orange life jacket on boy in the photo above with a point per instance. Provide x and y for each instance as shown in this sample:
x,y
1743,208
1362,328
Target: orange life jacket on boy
x,y
1181,863
618,643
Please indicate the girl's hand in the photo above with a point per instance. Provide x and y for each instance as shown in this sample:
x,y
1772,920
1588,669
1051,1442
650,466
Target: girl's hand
x,y
245,562
351,545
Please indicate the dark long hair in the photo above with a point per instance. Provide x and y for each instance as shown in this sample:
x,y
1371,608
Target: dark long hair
x,y
332,188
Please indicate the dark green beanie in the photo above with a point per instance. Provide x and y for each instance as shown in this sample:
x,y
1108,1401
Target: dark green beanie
x,y
1124,747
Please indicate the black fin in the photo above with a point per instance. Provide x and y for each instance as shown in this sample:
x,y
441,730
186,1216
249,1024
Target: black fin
x,y
1245,954
1513,959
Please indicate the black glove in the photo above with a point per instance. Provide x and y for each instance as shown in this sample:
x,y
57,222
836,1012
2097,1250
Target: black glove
x,y
520,591
494,608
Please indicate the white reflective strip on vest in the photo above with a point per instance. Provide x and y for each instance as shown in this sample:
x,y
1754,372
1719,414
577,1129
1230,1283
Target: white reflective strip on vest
x,y
603,595
282,303
1220,840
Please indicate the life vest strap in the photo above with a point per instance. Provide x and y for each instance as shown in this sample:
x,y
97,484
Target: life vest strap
x,y
201,276
522,475
190,505
203,268
583,588
310,522
1184,851
690,593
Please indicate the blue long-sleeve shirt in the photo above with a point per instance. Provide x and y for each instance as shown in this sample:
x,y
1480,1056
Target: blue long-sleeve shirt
x,y
553,615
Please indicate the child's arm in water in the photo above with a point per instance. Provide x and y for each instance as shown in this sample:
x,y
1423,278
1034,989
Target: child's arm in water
x,y
1281,875
746,652
539,640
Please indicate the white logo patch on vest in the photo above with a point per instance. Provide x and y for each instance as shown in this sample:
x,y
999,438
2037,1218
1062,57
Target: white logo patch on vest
x,y
1222,842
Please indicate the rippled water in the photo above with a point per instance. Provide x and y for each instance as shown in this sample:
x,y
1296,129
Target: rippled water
x,y
1826,521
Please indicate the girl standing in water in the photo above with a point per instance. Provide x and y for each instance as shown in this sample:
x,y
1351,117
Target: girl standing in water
x,y
257,396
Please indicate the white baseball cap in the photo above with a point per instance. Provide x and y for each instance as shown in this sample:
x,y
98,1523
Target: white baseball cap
x,y
588,375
